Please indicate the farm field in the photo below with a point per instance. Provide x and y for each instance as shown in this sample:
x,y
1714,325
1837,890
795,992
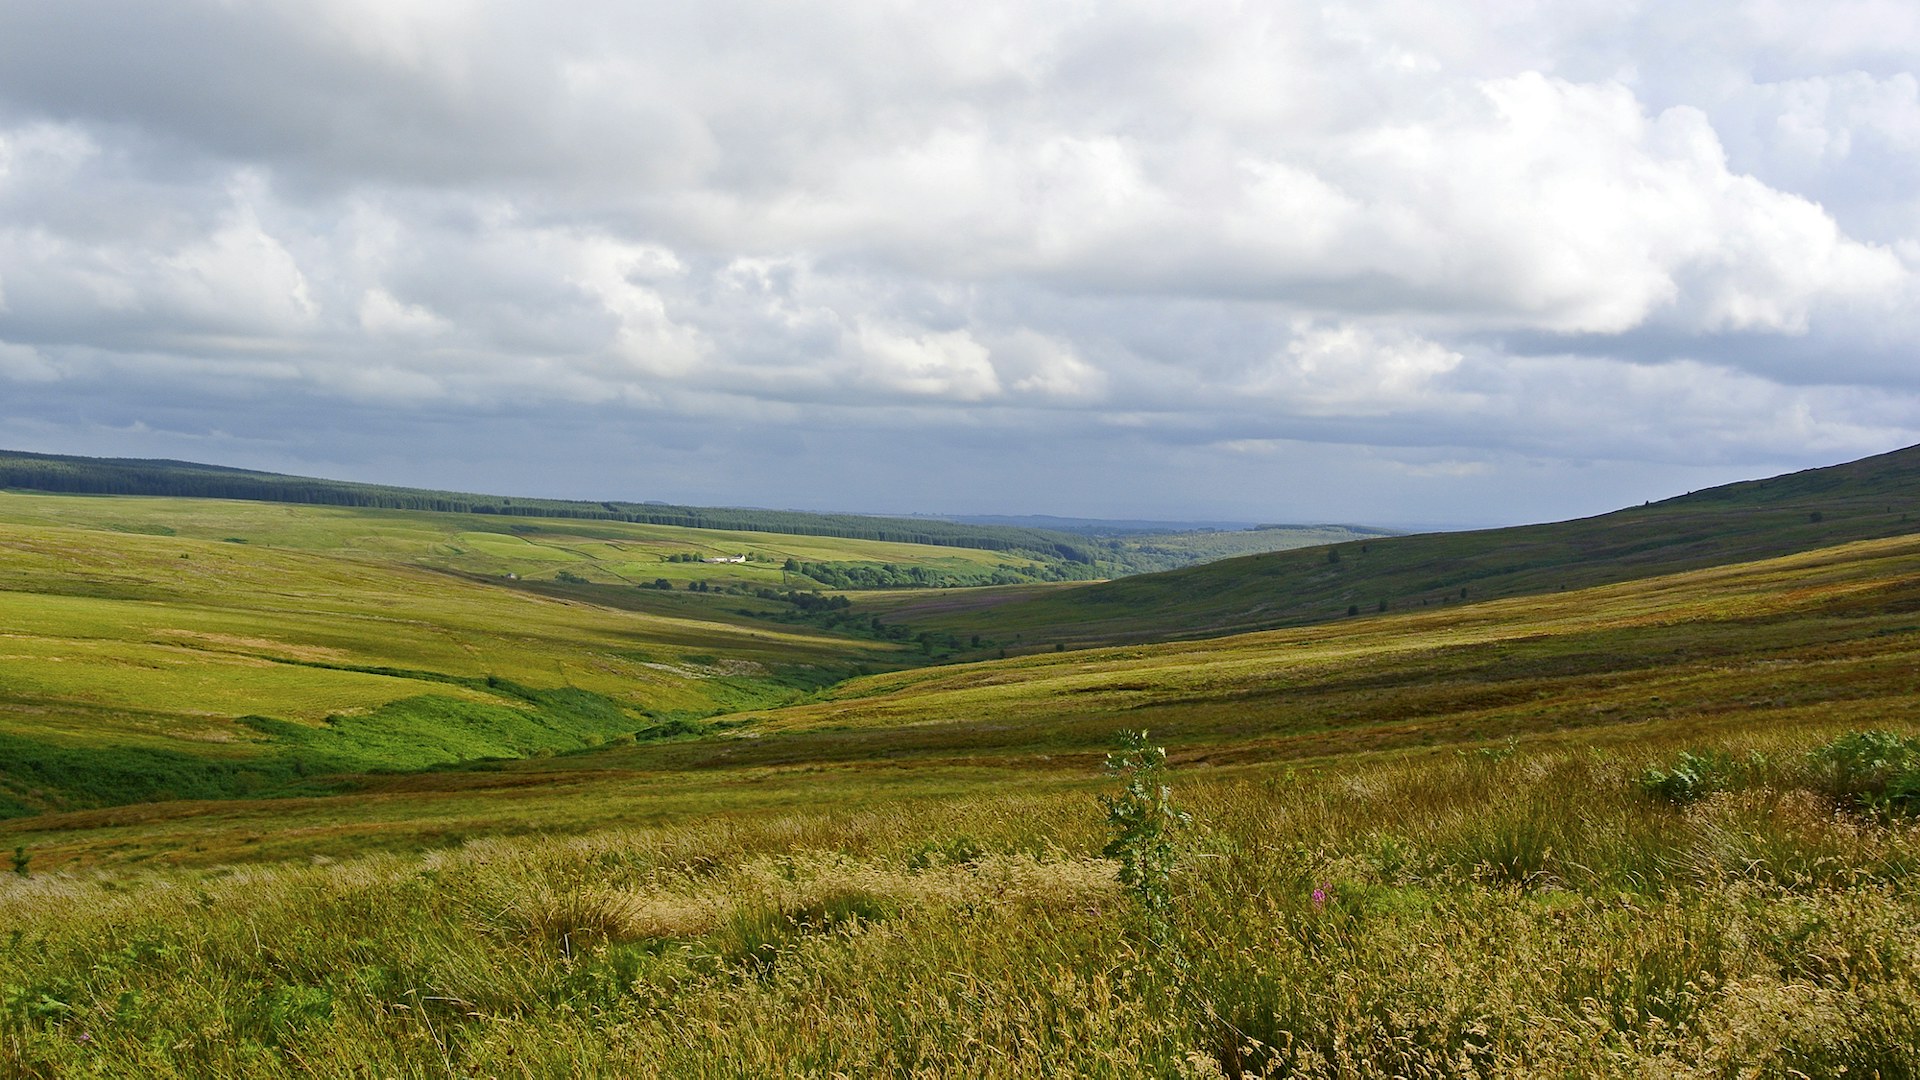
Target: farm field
x,y
1078,550
1629,829
136,665
608,552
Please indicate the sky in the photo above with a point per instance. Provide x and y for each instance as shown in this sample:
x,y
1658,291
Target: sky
x,y
1396,263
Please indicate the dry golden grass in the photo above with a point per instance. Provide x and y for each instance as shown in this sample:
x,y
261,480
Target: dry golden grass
x,y
1480,914
1420,847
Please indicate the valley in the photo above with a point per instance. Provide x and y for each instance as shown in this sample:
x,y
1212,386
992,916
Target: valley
x,y
377,789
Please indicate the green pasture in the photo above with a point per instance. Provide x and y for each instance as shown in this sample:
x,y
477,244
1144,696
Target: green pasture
x,y
1827,637
154,652
1627,828
599,551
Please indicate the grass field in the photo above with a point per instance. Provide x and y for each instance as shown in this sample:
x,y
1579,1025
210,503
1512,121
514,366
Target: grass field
x,y
136,666
1062,548
1563,922
1621,829
1822,638
608,552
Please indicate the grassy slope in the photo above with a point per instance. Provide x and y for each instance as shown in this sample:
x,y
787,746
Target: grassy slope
x,y
1835,629
1828,637
904,878
184,479
1068,554
1151,552
1562,924
136,666
1873,497
533,548
318,645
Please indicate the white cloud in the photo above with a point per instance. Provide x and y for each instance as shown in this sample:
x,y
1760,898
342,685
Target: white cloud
x,y
1823,119
240,278
1767,261
622,278
1047,367
1348,369
945,364
1649,233
1565,207
21,363
384,315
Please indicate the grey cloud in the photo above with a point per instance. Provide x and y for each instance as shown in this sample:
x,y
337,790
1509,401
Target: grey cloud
x,y
845,250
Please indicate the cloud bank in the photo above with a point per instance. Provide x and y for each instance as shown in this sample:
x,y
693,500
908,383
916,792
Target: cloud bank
x,y
1373,262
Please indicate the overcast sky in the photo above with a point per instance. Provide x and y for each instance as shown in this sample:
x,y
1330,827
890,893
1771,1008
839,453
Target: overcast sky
x,y
1383,263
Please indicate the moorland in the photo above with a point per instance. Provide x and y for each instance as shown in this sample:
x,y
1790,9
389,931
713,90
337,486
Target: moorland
x,y
309,788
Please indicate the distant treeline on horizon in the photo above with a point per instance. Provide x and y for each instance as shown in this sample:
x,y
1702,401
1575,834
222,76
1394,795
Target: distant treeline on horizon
x,y
69,475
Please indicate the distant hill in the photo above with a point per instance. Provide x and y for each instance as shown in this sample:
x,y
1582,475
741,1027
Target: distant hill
x,y
1079,549
141,476
1874,497
1144,547
1104,526
1157,551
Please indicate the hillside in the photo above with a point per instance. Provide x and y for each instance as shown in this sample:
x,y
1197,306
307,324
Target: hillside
x,y
1654,827
166,647
569,550
172,648
1701,649
1033,551
1828,638
1874,497
56,473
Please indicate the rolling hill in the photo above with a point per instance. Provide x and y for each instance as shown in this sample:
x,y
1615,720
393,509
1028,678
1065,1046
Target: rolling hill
x,y
1873,497
170,648
1654,826
532,549
1031,551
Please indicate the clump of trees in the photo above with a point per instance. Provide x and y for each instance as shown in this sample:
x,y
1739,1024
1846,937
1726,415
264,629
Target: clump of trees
x,y
869,575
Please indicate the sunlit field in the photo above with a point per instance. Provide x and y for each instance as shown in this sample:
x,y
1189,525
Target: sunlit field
x,y
1557,915
1320,540
285,809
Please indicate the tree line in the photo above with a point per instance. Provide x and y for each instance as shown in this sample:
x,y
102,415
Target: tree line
x,y
64,474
